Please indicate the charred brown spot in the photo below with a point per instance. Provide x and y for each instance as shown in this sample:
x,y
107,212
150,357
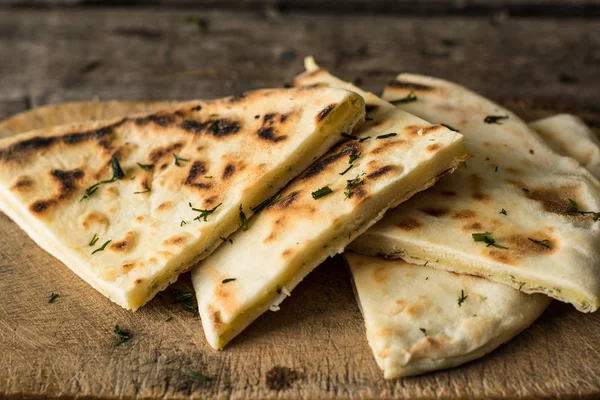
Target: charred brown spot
x,y
127,267
555,200
477,183
138,281
475,226
228,171
23,182
17,151
521,245
340,151
164,206
160,152
435,212
387,145
501,256
223,127
197,171
191,126
267,130
286,253
286,201
196,108
323,113
409,85
163,120
175,240
210,200
409,223
125,244
381,172
463,214
93,218
66,187
433,147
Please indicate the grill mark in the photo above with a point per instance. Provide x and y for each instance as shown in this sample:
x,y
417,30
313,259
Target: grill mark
x,y
191,126
435,212
380,172
163,120
66,186
322,163
323,113
157,154
228,171
409,223
197,169
267,129
223,127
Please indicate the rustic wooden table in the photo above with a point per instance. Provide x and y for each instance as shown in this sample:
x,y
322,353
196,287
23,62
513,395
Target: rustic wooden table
x,y
537,58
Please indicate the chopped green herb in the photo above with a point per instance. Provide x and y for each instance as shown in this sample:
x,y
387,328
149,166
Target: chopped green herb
x,y
347,136
187,300
503,211
53,297
543,243
353,157
243,219
574,208
228,280
521,285
496,169
408,99
102,247
117,175
267,203
146,167
256,116
146,190
204,213
493,119
365,138
347,169
449,127
179,160
195,375
368,119
488,239
351,184
94,240
387,135
121,336
563,77
426,262
324,191
462,298
183,223
424,331
208,177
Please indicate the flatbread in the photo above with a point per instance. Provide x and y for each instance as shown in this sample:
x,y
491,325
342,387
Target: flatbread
x,y
550,248
297,232
420,319
212,156
570,136
68,113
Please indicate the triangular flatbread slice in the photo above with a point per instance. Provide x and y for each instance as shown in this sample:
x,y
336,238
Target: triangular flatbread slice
x,y
130,204
514,213
570,136
392,157
68,113
420,319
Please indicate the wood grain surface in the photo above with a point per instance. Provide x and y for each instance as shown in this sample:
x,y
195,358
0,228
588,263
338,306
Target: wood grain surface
x,y
315,346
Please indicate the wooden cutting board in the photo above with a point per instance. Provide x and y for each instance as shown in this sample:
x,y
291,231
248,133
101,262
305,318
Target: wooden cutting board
x,y
314,347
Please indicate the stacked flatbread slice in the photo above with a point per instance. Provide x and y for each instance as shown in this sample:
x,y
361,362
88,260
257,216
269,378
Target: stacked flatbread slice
x,y
419,319
132,203
392,157
517,213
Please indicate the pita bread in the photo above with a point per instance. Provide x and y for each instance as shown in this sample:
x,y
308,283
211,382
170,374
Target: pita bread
x,y
540,244
570,136
68,113
421,319
295,234
130,237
